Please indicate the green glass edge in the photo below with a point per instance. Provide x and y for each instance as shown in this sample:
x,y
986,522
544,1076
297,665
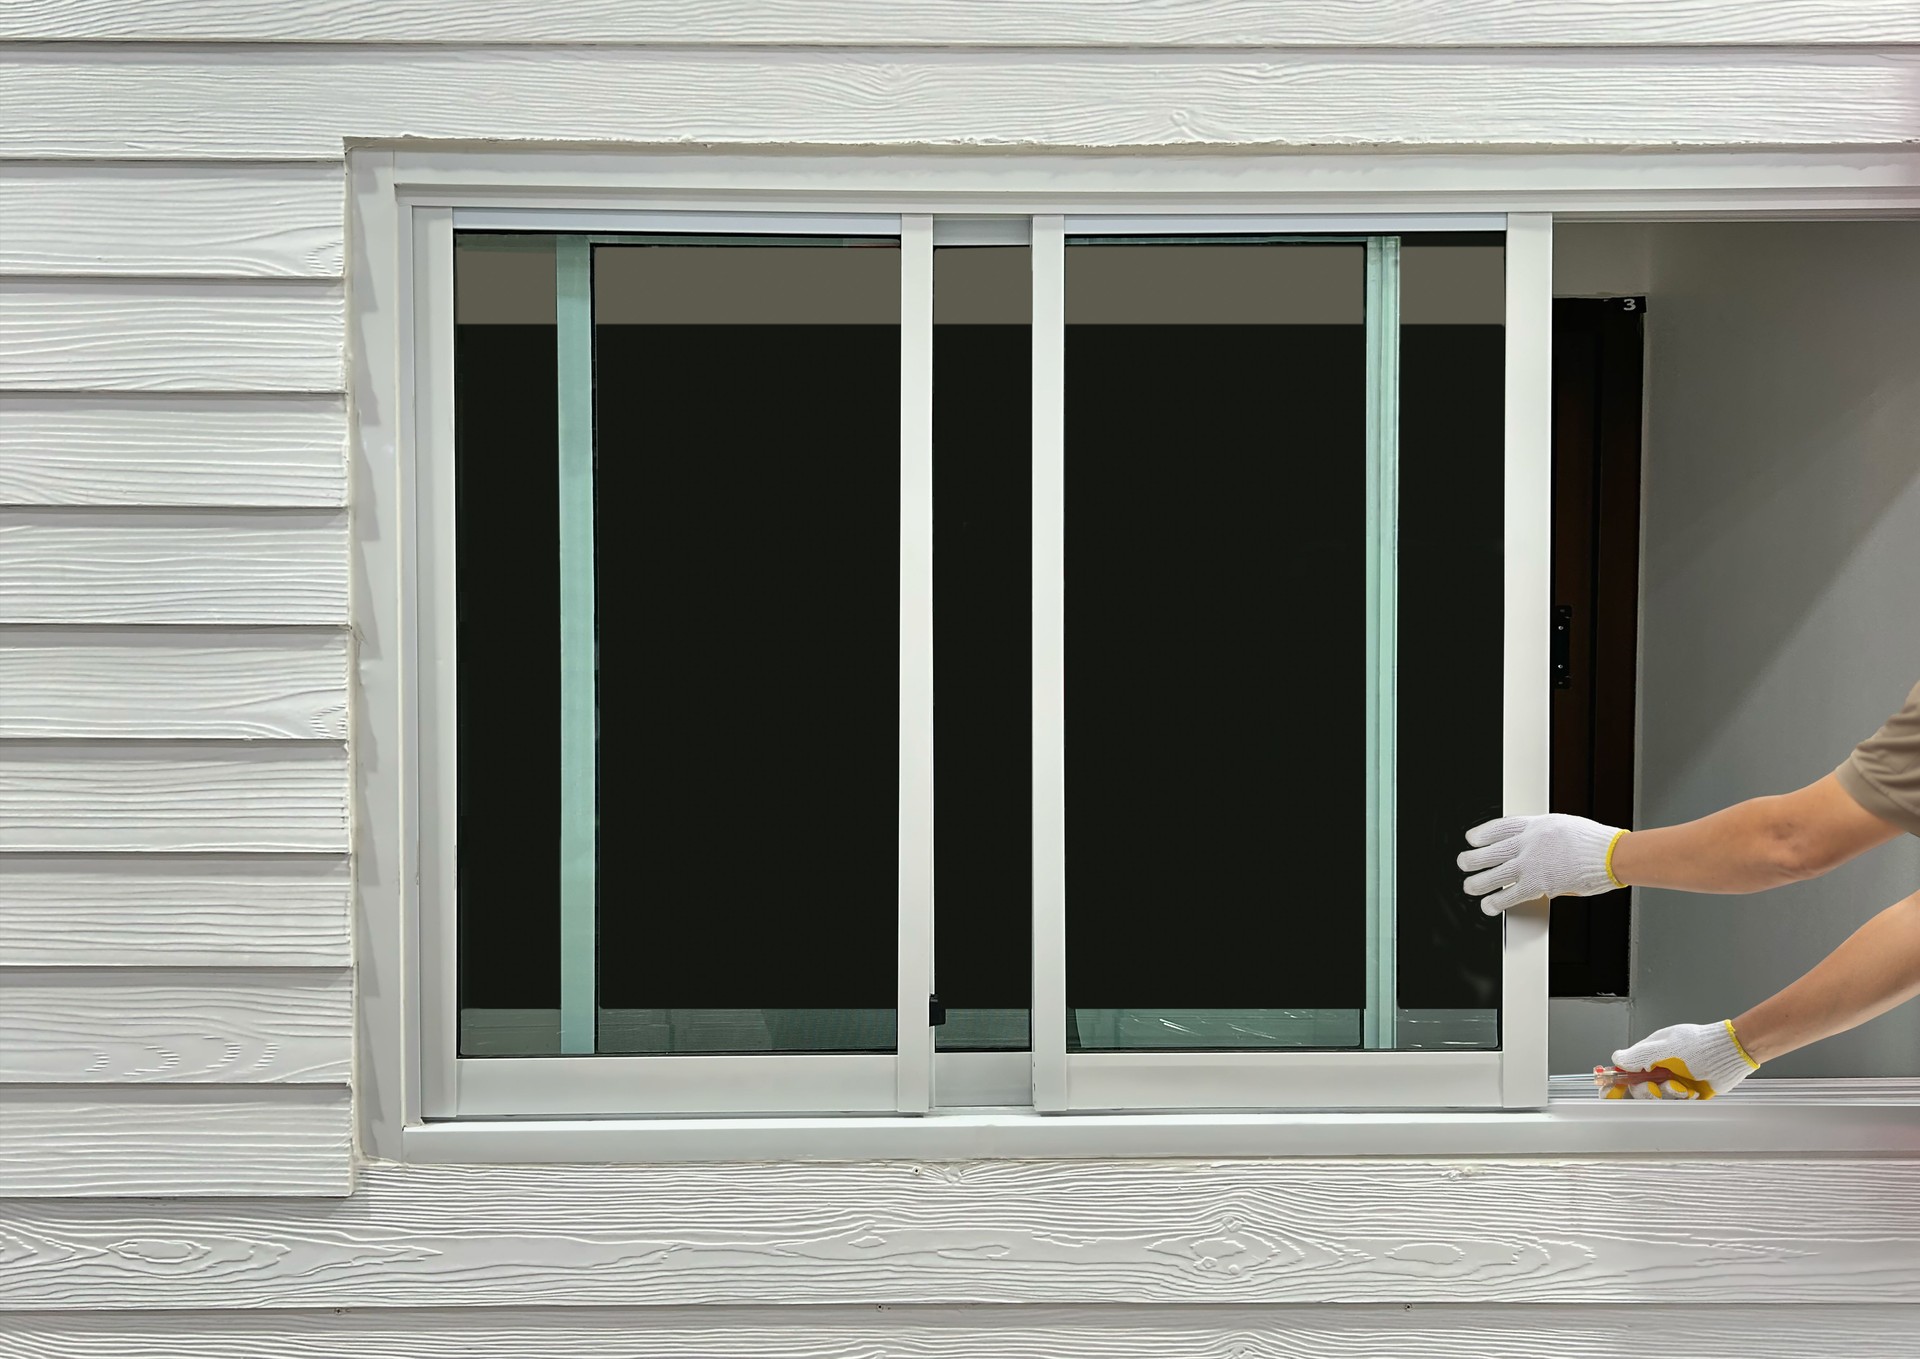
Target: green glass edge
x,y
573,315
1382,587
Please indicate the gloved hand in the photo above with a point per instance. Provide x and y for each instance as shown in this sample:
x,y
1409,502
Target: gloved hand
x,y
1524,858
1683,1061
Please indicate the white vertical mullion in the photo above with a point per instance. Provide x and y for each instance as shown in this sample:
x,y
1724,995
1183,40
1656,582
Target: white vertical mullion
x,y
1049,1012
428,695
1524,744
914,1080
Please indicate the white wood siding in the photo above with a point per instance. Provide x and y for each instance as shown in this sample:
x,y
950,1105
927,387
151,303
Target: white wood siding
x,y
282,800
174,787
1224,1233
173,569
59,1141
245,221
180,450
957,23
184,686
252,103
174,911
183,336
1685,1331
93,1028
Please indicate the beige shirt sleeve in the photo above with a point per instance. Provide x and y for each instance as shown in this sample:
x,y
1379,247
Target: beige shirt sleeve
x,y
1883,773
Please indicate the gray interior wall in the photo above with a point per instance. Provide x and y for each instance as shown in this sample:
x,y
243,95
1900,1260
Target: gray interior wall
x,y
1781,585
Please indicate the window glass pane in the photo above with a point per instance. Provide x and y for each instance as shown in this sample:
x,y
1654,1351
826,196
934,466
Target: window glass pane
x,y
1451,581
1215,645
748,481
982,410
1219,522
743,668
507,516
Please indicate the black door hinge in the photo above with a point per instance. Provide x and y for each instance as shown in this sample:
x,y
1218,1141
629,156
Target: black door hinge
x,y
1563,646
936,1011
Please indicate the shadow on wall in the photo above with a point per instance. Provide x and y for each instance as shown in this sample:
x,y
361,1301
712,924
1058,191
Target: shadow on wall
x,y
1782,573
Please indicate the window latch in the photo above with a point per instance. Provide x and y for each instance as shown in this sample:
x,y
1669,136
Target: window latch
x,y
936,1011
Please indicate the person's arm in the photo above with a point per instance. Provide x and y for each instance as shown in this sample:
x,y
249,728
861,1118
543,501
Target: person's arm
x,y
1751,846
1761,843
1877,968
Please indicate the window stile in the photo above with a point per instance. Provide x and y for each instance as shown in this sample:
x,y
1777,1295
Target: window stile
x,y
914,1026
1527,682
1049,1022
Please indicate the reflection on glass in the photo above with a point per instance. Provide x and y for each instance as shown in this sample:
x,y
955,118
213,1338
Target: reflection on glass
x,y
982,506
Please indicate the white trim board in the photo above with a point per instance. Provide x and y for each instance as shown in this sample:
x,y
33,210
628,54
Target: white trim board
x,y
306,103
1216,1231
1861,1118
1575,185
981,23
1194,1331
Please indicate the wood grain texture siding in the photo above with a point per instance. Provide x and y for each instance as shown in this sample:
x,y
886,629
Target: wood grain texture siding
x,y
138,335
217,569
1701,1330
156,1141
1085,1233
256,221
201,686
258,800
187,450
254,102
68,1027
844,23
190,912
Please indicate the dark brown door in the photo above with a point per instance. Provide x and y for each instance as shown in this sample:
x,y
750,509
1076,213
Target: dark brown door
x,y
1597,355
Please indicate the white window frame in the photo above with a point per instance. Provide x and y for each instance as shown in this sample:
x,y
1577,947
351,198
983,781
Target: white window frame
x,y
397,761
726,1084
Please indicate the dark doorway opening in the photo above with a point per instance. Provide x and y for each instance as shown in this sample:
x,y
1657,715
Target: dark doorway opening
x,y
1597,368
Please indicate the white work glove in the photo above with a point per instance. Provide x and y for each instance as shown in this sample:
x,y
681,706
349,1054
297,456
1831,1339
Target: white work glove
x,y
1684,1061
1525,858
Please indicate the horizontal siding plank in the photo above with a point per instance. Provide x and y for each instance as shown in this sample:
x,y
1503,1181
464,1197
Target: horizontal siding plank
x,y
224,1028
139,335
255,102
140,1142
1692,1331
223,569
1115,23
1014,1232
77,912
252,800
255,221
187,450
152,687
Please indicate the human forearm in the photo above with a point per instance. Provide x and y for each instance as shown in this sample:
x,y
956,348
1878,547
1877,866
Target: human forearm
x,y
1751,846
1877,968
1744,848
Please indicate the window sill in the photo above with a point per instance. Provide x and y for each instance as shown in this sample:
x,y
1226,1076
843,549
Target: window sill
x,y
1767,1117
